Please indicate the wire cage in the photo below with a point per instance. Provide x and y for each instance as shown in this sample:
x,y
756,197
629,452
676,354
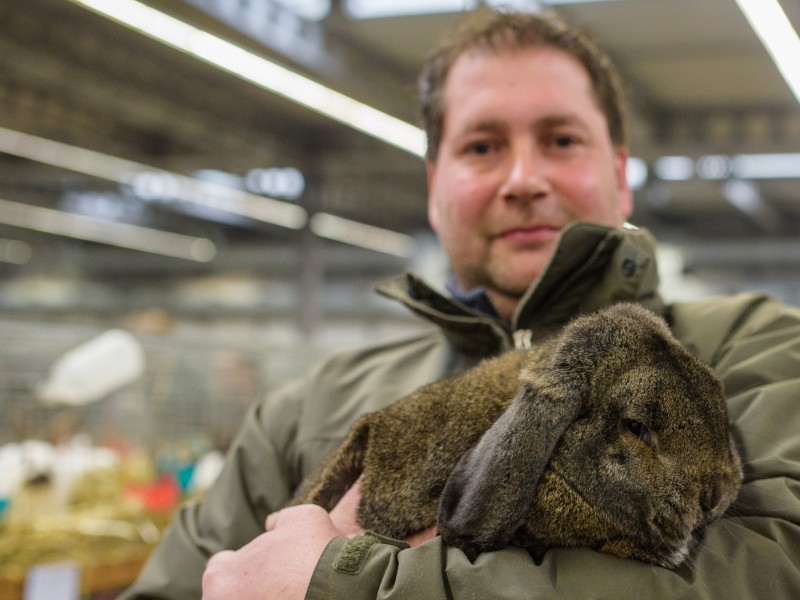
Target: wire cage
x,y
93,485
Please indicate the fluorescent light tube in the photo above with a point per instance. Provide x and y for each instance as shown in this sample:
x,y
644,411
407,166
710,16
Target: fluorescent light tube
x,y
767,166
15,252
361,234
377,9
209,194
262,72
111,168
674,168
771,25
559,2
122,235
636,172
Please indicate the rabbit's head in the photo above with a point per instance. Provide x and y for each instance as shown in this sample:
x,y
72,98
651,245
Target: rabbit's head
x,y
633,431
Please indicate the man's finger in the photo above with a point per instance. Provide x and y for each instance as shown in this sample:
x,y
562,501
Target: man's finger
x,y
345,514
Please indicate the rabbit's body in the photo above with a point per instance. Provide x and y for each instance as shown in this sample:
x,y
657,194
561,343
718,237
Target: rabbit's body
x,y
610,436
407,450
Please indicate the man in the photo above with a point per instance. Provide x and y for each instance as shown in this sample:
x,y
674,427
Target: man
x,y
526,173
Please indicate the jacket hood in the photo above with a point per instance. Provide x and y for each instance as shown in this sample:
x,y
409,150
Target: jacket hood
x,y
593,266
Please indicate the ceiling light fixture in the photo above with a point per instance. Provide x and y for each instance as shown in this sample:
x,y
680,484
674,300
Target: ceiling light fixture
x,y
766,166
204,193
15,252
674,168
558,2
714,166
636,172
377,9
775,31
111,168
110,233
363,235
381,9
260,71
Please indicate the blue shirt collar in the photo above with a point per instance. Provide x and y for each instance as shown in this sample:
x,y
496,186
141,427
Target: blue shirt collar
x,y
476,298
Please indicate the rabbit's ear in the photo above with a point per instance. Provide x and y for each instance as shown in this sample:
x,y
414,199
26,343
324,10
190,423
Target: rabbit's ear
x,y
489,491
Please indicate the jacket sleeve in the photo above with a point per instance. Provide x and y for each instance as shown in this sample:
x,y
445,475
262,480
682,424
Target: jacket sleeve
x,y
255,481
752,552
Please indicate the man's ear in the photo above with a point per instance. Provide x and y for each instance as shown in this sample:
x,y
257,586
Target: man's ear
x,y
433,210
625,193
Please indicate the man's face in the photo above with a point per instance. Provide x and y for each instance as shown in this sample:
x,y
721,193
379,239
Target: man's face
x,y
525,150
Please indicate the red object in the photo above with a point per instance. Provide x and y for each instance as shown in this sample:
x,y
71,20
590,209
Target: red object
x,y
159,496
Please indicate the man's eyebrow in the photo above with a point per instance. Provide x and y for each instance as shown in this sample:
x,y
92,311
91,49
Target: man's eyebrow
x,y
559,120
495,125
488,125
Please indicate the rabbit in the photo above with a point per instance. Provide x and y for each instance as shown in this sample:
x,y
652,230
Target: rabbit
x,y
609,435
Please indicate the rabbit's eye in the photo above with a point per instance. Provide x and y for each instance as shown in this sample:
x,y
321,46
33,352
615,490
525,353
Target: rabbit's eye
x,y
638,429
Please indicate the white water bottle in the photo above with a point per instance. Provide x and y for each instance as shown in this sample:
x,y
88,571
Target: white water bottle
x,y
93,370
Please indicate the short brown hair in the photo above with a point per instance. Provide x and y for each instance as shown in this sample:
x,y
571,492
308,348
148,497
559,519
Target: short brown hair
x,y
492,30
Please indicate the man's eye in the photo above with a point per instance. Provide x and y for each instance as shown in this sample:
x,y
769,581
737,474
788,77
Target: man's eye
x,y
480,148
564,141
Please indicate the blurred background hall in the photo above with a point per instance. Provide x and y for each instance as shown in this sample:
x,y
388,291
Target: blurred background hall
x,y
224,181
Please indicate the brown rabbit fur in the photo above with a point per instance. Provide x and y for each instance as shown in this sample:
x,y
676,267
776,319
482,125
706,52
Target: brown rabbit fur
x,y
610,435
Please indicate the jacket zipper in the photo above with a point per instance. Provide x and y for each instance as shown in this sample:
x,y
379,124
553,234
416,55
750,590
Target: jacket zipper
x,y
522,339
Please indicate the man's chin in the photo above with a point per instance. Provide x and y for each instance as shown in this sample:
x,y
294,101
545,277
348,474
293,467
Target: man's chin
x,y
515,283
510,290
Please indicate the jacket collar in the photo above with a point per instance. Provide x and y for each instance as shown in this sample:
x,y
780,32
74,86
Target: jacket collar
x,y
593,266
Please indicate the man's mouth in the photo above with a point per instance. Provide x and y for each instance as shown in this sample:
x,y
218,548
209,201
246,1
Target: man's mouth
x,y
529,235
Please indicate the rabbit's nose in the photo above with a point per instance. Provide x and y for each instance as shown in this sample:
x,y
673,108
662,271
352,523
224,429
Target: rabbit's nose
x,y
717,496
710,498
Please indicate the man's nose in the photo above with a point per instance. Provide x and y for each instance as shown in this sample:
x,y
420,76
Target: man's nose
x,y
526,178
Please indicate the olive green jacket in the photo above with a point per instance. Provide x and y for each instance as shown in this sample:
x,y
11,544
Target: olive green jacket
x,y
752,342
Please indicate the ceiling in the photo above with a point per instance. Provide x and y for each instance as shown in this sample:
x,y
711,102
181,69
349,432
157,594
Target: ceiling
x,y
698,79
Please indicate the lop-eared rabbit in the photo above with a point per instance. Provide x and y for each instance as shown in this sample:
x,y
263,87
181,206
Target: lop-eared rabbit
x,y
610,435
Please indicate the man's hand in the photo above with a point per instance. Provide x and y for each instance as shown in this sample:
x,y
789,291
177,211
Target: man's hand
x,y
279,563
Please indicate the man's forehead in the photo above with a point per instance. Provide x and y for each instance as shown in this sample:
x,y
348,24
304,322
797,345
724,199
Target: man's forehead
x,y
477,53
472,64
463,78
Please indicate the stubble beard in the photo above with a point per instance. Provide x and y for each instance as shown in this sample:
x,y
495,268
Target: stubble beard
x,y
511,275
501,284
